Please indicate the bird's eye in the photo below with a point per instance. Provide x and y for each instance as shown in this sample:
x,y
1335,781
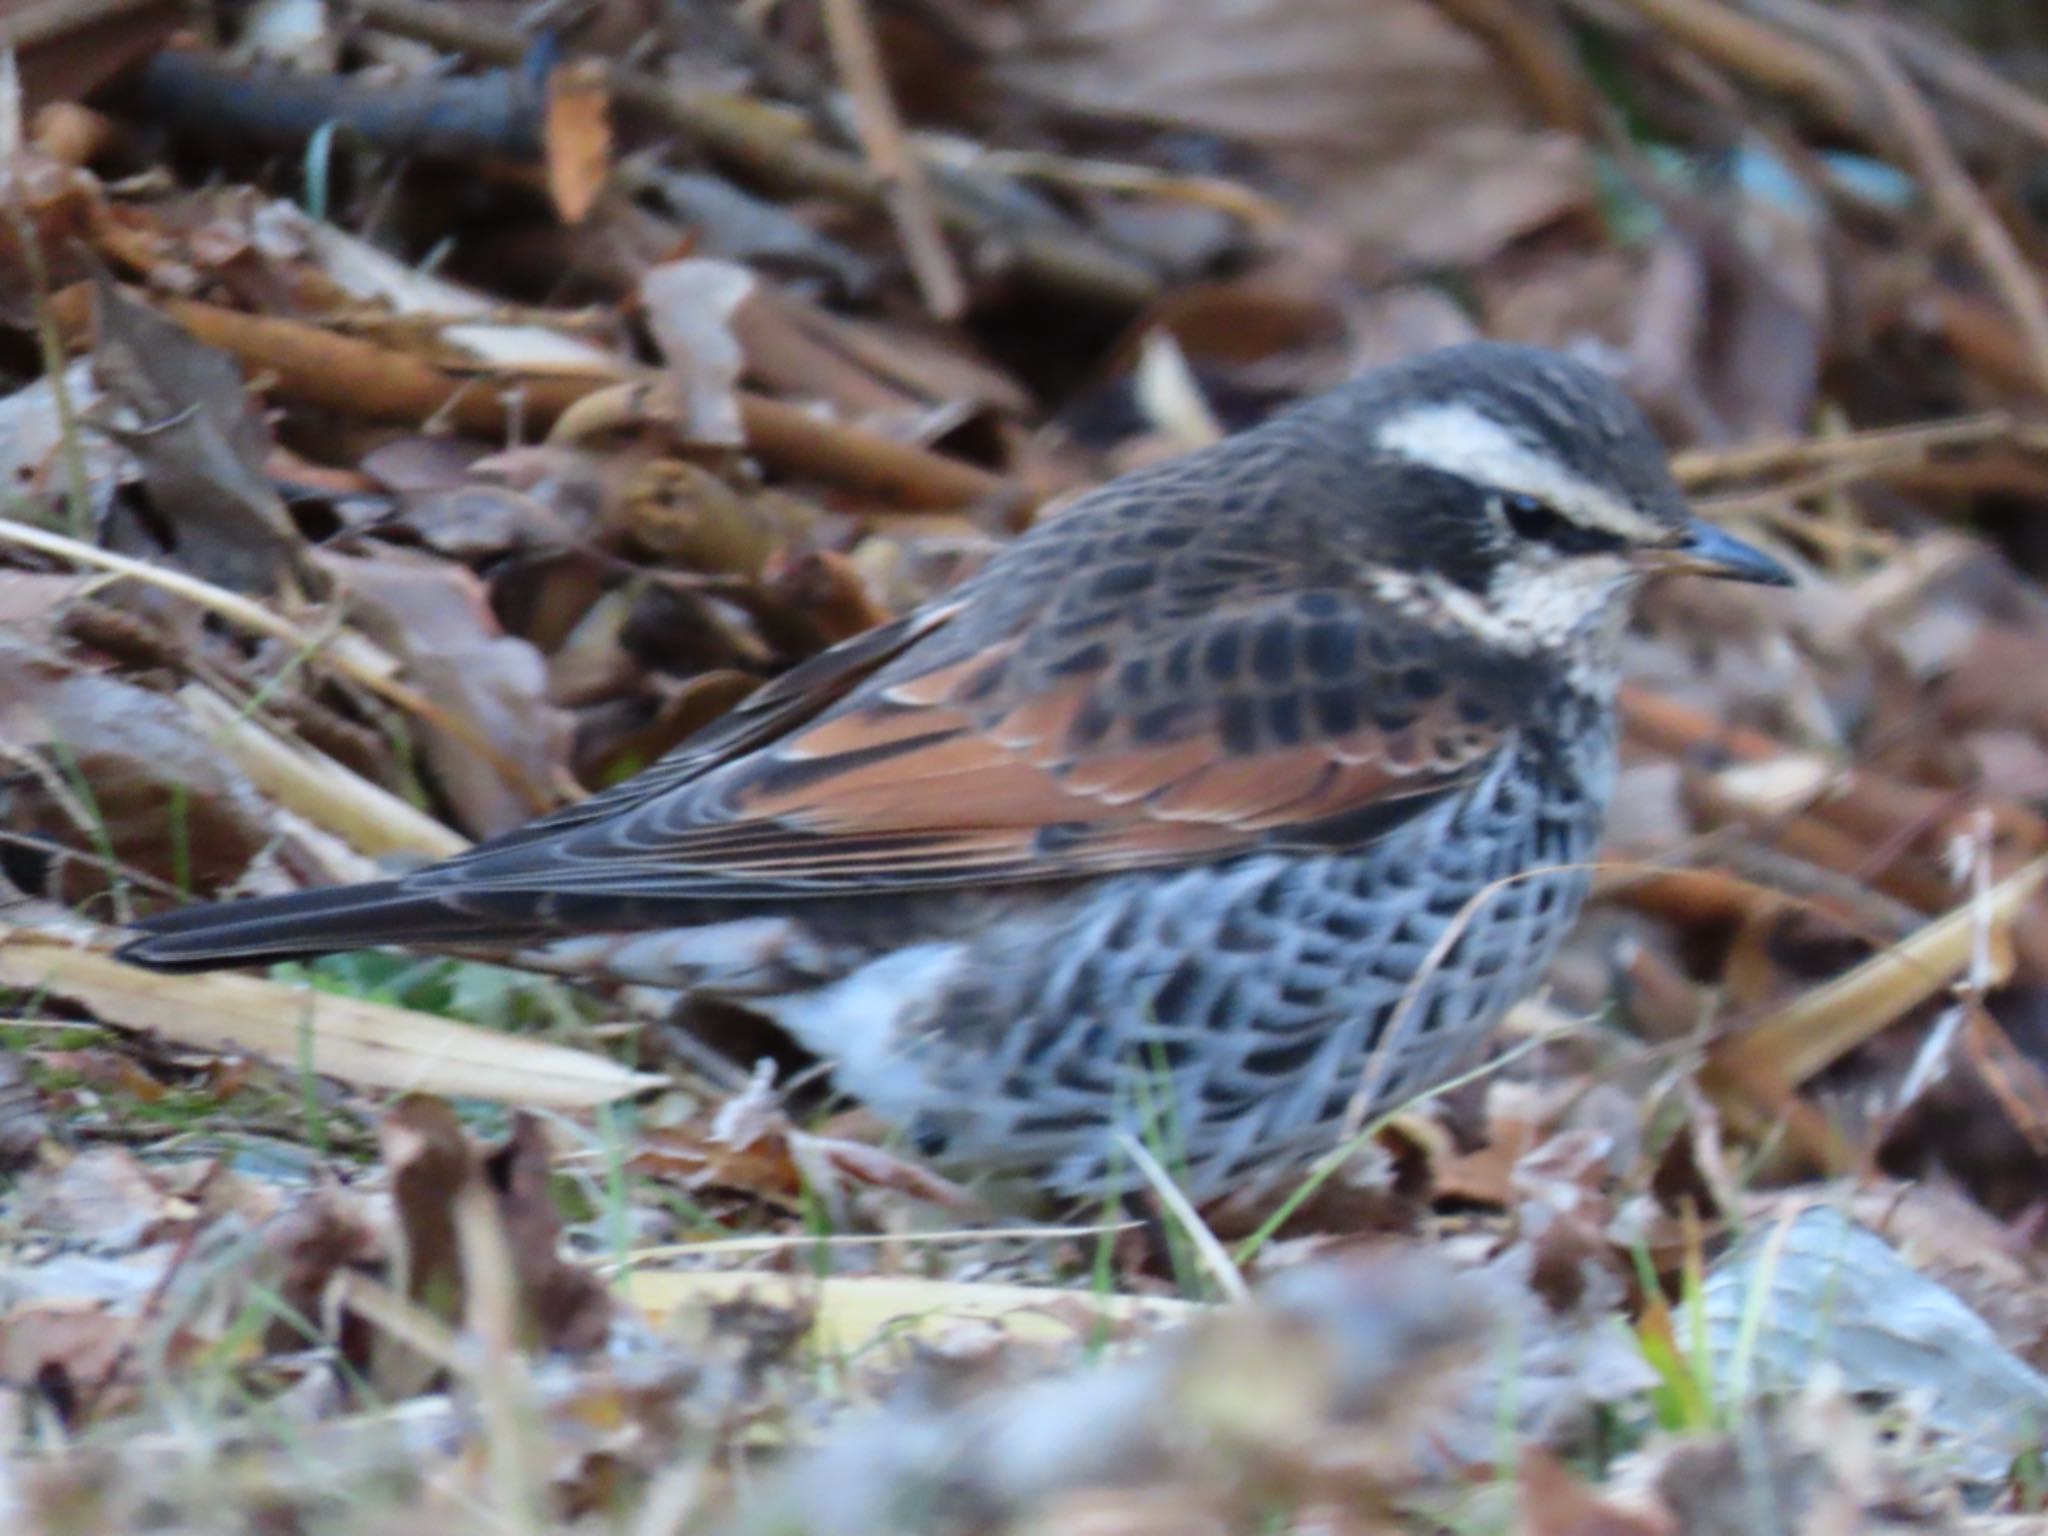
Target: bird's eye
x,y
1532,518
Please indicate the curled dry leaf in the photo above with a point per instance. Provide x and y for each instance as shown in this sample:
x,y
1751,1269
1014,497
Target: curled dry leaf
x,y
200,443
578,137
1814,1288
690,305
434,1165
502,765
104,768
373,1045
762,1154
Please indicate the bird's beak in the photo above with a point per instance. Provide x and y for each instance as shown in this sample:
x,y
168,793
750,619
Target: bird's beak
x,y
1707,551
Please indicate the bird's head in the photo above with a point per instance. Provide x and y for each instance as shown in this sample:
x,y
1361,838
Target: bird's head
x,y
1533,497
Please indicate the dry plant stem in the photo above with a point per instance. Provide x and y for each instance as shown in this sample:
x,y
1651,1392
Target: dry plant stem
x,y
1534,49
368,818
905,190
1215,1258
1760,53
810,447
1233,198
1955,196
1702,897
1878,448
764,143
514,1446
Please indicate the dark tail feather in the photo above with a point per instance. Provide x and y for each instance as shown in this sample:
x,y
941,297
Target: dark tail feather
x,y
304,924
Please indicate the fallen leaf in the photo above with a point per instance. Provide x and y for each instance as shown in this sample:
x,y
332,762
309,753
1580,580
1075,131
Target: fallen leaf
x,y
564,1306
850,1313
105,768
578,137
370,1044
436,618
690,305
23,1125
1814,1289
200,442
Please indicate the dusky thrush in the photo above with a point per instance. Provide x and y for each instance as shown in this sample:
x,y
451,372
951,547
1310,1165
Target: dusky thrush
x,y
1251,789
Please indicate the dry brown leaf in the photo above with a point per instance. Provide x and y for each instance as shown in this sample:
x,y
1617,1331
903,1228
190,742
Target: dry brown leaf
x,y
98,765
1800,1039
563,1305
372,1045
23,1125
436,1171
201,444
578,137
1552,1501
768,1158
690,306
436,617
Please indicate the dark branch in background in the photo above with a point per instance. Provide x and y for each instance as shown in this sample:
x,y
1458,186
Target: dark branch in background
x,y
68,48
495,116
1036,249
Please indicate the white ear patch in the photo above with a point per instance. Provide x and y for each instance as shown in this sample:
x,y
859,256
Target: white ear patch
x,y
1461,440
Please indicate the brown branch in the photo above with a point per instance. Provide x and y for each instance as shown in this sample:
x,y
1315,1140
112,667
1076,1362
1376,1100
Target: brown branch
x,y
813,448
319,367
1966,80
761,142
1872,451
905,190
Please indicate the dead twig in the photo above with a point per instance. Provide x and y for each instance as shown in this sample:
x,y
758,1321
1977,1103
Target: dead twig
x,y
1873,452
905,190
1759,52
1955,196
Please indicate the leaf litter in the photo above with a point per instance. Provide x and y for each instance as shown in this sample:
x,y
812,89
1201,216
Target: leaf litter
x,y
418,416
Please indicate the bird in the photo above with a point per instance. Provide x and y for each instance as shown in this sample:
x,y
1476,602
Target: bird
x,y
1248,791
